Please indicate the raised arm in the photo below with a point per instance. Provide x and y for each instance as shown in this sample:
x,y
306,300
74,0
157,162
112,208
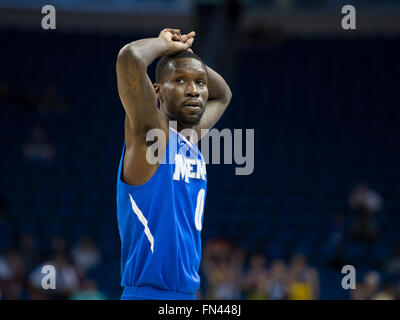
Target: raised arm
x,y
219,96
139,98
134,86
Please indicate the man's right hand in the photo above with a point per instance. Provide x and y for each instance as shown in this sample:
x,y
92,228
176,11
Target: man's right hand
x,y
175,41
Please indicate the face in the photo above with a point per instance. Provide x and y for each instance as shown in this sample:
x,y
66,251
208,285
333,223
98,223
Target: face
x,y
183,91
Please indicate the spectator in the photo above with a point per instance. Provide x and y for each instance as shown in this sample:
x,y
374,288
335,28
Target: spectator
x,y
222,275
88,291
14,276
223,283
254,282
277,281
365,199
359,292
39,148
365,202
5,272
388,293
371,284
215,252
66,275
85,254
304,280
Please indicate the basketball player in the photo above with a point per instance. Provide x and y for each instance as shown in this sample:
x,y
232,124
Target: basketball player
x,y
160,206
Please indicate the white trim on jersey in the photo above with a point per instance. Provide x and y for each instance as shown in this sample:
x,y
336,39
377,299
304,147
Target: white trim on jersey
x,y
143,220
183,137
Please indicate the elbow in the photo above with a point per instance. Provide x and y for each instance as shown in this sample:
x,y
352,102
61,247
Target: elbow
x,y
128,56
228,96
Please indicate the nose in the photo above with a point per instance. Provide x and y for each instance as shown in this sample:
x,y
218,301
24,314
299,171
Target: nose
x,y
191,90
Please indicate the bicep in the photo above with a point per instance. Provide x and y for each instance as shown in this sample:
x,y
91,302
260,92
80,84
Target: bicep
x,y
136,93
213,111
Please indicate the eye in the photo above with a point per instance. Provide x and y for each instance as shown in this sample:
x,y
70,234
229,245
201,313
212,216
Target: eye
x,y
179,80
201,82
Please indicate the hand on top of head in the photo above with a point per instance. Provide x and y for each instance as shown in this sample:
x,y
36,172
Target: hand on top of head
x,y
176,41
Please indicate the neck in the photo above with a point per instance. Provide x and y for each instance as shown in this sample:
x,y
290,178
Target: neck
x,y
179,126
182,127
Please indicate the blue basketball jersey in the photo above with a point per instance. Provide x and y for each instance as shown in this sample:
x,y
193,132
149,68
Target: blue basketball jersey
x,y
160,224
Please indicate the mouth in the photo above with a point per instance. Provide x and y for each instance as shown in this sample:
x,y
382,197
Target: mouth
x,y
193,106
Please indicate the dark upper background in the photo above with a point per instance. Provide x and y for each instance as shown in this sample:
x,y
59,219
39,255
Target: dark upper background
x,y
324,105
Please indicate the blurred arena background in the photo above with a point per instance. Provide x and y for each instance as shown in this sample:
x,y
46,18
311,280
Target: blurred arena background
x,y
324,103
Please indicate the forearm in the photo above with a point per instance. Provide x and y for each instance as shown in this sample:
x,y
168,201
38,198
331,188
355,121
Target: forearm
x,y
218,89
144,51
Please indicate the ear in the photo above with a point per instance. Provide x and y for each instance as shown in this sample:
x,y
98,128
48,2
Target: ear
x,y
157,89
